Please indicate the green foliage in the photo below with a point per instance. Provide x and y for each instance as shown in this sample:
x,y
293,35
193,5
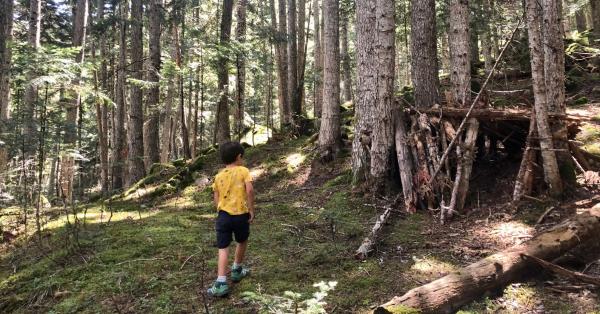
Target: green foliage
x,y
292,302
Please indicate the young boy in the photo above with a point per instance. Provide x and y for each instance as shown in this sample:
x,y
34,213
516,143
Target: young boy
x,y
234,198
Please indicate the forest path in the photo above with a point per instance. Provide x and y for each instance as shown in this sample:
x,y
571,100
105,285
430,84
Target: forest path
x,y
158,255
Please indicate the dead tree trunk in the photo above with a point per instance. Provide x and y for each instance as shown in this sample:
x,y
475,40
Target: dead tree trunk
x,y
405,163
525,175
449,293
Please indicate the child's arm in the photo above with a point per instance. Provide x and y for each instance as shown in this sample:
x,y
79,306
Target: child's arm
x,y
250,200
216,198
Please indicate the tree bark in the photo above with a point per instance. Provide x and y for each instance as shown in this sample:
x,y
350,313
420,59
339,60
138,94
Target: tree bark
x,y
292,45
460,78
6,37
222,122
79,32
366,89
101,108
449,293
285,111
302,38
554,71
405,162
240,36
318,57
459,39
383,124
152,142
424,62
119,153
329,134
550,164
580,21
31,95
345,55
595,6
136,113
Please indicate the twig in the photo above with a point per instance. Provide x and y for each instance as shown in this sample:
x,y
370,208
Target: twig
x,y
533,198
563,271
140,260
186,260
466,118
544,215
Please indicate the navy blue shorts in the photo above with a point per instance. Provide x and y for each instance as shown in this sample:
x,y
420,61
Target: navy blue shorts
x,y
228,225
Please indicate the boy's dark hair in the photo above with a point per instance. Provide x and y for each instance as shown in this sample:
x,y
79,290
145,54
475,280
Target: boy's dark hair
x,y
229,152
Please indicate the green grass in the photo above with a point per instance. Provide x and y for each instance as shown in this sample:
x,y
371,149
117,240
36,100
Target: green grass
x,y
157,255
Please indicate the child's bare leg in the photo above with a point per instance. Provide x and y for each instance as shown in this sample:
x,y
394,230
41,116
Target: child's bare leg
x,y
222,261
240,252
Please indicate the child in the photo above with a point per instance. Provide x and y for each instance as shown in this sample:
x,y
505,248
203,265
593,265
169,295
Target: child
x,y
234,198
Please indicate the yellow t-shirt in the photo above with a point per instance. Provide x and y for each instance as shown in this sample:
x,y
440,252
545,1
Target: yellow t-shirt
x,y
230,183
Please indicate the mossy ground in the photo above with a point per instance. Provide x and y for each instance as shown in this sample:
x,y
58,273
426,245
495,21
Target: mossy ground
x,y
157,254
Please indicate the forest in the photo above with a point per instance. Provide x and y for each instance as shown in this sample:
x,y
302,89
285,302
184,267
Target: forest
x,y
407,156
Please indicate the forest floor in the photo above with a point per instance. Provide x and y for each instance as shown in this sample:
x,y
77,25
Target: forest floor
x,y
157,254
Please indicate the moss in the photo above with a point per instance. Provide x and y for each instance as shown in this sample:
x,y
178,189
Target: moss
x,y
158,168
398,309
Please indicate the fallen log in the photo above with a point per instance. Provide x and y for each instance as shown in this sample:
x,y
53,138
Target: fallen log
x,y
563,271
495,114
490,274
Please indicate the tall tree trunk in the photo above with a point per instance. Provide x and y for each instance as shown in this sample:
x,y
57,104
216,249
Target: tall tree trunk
x,y
302,38
580,21
487,37
293,96
185,136
318,57
240,36
285,111
329,134
460,74
79,32
101,108
383,123
119,153
550,164
222,122
460,77
68,167
136,113
152,143
424,53
554,71
345,55
31,94
6,26
167,116
366,89
595,6
6,37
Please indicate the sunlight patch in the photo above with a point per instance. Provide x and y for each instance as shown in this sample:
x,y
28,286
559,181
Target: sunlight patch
x,y
257,173
97,217
141,192
431,266
294,160
511,233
